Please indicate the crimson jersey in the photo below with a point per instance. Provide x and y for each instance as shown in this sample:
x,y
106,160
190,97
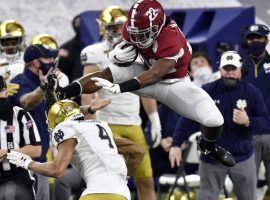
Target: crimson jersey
x,y
170,43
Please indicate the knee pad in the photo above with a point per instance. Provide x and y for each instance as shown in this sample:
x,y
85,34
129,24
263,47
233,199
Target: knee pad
x,y
214,119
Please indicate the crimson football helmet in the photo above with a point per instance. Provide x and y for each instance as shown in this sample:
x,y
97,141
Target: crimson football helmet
x,y
145,21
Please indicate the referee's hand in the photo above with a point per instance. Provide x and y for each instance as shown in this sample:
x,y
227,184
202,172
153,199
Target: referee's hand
x,y
19,159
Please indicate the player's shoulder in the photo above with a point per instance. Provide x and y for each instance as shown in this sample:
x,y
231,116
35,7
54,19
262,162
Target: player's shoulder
x,y
170,40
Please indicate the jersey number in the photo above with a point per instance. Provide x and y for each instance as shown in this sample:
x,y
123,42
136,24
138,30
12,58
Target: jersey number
x,y
104,135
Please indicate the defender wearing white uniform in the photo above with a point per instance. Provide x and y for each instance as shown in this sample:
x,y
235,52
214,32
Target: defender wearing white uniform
x,y
90,147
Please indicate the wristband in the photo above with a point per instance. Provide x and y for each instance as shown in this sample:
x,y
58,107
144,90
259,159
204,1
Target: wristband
x,y
89,110
154,118
130,85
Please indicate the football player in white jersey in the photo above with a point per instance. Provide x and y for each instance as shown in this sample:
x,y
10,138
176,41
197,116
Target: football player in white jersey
x,y
12,37
91,149
122,114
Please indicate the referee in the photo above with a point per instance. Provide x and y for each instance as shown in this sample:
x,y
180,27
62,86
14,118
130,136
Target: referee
x,y
18,132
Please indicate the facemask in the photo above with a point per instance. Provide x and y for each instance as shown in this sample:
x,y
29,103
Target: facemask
x,y
230,82
256,48
5,108
46,67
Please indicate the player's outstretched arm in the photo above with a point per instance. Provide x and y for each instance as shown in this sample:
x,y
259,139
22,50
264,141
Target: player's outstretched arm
x,y
134,152
161,67
55,168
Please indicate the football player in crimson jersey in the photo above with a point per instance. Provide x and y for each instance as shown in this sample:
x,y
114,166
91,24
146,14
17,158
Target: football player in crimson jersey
x,y
164,76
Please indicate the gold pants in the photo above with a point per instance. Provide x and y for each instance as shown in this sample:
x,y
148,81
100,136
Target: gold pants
x,y
103,197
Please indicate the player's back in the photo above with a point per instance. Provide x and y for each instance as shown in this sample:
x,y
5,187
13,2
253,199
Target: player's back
x,y
95,156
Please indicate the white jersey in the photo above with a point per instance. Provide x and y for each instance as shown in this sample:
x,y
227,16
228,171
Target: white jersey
x,y
124,108
10,69
95,156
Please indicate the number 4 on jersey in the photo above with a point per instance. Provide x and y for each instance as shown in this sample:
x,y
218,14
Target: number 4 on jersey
x,y
104,135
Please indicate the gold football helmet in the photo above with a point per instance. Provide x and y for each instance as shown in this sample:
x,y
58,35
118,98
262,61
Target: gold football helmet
x,y
12,36
110,23
61,111
45,39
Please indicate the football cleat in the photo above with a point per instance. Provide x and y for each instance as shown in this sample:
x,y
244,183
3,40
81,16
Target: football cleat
x,y
218,153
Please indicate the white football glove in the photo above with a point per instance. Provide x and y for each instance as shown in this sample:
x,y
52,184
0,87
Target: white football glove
x,y
19,159
107,85
155,129
122,55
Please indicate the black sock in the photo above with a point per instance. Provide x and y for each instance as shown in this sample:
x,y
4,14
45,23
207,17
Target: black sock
x,y
208,145
72,90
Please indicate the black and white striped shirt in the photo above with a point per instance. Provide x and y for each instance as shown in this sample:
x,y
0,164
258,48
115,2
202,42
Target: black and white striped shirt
x,y
18,131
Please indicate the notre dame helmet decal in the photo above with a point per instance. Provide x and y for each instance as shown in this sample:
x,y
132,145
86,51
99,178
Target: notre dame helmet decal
x,y
110,18
63,110
45,39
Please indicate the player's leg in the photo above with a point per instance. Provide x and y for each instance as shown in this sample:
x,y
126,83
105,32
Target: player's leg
x,y
194,103
103,197
143,174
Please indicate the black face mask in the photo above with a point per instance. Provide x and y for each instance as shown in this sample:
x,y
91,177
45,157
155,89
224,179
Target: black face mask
x,y
5,109
256,48
46,67
230,82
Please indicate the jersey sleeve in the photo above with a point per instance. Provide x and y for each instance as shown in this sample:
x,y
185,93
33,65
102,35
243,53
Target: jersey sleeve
x,y
62,132
89,56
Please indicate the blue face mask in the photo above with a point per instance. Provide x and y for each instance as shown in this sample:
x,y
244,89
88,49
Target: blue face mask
x,y
256,48
45,67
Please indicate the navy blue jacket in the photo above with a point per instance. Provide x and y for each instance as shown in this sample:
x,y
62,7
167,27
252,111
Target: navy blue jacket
x,y
28,82
235,138
259,76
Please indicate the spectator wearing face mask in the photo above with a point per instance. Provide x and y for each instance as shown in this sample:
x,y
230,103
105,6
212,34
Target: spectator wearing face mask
x,y
255,39
245,113
200,69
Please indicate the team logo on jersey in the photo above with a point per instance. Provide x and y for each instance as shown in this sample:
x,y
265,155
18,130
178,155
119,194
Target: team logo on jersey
x,y
241,103
266,67
59,136
152,14
217,101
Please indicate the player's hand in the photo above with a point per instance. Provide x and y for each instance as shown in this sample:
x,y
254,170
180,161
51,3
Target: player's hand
x,y
175,156
19,159
43,77
107,85
12,88
122,54
155,128
156,134
98,103
166,143
240,117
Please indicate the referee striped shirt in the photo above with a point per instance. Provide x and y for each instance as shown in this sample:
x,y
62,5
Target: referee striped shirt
x,y
18,131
